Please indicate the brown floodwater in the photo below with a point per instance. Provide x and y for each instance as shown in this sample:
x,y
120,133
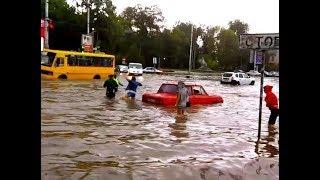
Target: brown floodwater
x,y
86,136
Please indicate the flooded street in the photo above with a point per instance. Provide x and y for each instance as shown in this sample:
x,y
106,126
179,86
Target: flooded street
x,y
86,136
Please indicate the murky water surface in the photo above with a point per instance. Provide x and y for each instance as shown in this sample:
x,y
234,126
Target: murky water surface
x,y
86,136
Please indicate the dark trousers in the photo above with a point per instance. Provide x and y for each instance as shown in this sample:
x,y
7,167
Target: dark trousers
x,y
273,116
110,94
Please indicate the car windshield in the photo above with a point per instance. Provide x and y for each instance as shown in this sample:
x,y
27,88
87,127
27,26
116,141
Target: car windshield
x,y
171,88
137,66
168,88
47,59
227,74
123,67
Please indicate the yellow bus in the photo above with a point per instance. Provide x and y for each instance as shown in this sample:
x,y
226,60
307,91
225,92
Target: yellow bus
x,y
57,64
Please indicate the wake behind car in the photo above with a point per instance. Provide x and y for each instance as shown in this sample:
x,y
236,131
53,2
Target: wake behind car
x,y
152,70
167,95
236,78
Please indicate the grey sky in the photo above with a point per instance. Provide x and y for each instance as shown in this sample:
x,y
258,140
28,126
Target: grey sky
x,y
261,15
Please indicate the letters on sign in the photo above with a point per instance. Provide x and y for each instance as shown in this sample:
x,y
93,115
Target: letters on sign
x,y
259,41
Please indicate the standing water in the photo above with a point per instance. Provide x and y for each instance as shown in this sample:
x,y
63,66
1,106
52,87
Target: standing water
x,y
86,136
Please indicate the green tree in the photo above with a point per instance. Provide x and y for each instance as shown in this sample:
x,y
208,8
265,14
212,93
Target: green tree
x,y
144,23
228,50
68,25
238,27
241,28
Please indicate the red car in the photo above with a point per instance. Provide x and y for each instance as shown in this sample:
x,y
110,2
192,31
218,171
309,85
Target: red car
x,y
167,95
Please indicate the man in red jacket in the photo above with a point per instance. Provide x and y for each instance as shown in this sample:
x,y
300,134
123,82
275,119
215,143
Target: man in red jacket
x,y
272,103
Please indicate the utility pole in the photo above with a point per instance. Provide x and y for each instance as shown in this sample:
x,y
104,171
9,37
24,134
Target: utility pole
x,y
254,60
46,26
261,93
190,49
88,17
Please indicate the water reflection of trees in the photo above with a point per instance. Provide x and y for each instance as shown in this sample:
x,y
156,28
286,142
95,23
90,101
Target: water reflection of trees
x,y
267,142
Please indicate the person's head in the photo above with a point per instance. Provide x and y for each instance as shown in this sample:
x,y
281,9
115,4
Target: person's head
x,y
267,88
181,84
110,76
133,78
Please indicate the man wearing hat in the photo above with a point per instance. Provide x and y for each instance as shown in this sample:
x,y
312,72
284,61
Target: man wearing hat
x,y
272,103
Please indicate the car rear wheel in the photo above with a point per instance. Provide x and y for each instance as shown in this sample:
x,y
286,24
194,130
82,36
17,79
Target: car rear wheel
x,y
235,82
252,83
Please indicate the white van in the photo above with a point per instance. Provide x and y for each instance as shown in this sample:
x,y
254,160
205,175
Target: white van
x,y
135,69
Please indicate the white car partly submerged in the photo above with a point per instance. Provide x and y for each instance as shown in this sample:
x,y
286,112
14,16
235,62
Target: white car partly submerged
x,y
152,70
237,78
253,73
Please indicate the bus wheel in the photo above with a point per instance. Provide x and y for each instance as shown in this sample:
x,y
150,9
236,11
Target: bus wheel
x,y
62,76
97,77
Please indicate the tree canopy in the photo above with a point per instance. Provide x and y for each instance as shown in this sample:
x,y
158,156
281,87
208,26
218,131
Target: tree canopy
x,y
138,35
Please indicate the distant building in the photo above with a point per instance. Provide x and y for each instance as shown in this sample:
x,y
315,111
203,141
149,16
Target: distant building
x,y
273,57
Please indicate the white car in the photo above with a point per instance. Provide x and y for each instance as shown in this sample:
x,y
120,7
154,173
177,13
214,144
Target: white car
x,y
122,68
152,70
273,74
237,78
253,73
135,69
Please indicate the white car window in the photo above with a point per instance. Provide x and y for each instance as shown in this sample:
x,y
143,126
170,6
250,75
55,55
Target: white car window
x,y
240,76
237,75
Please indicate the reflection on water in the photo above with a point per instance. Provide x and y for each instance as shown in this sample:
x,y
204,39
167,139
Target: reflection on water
x,y
269,143
86,136
179,127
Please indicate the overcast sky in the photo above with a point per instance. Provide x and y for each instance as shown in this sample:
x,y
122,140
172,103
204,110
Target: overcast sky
x,y
261,15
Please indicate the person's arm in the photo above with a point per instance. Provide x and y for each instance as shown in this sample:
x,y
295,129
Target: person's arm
x,y
105,84
119,83
178,98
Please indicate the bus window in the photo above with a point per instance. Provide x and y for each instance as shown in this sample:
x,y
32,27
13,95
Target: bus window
x,y
71,60
107,62
74,60
59,62
47,59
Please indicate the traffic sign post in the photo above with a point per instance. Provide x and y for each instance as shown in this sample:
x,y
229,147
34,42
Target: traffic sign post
x,y
154,60
261,42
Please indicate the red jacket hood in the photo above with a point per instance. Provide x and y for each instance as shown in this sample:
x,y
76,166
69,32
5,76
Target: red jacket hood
x,y
268,88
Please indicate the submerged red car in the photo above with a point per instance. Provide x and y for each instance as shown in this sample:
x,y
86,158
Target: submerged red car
x,y
167,95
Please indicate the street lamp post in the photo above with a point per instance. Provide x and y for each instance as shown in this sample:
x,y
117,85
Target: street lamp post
x,y
190,49
46,25
88,17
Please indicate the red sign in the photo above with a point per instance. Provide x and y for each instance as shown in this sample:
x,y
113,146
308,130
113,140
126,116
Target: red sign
x,y
42,30
88,48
